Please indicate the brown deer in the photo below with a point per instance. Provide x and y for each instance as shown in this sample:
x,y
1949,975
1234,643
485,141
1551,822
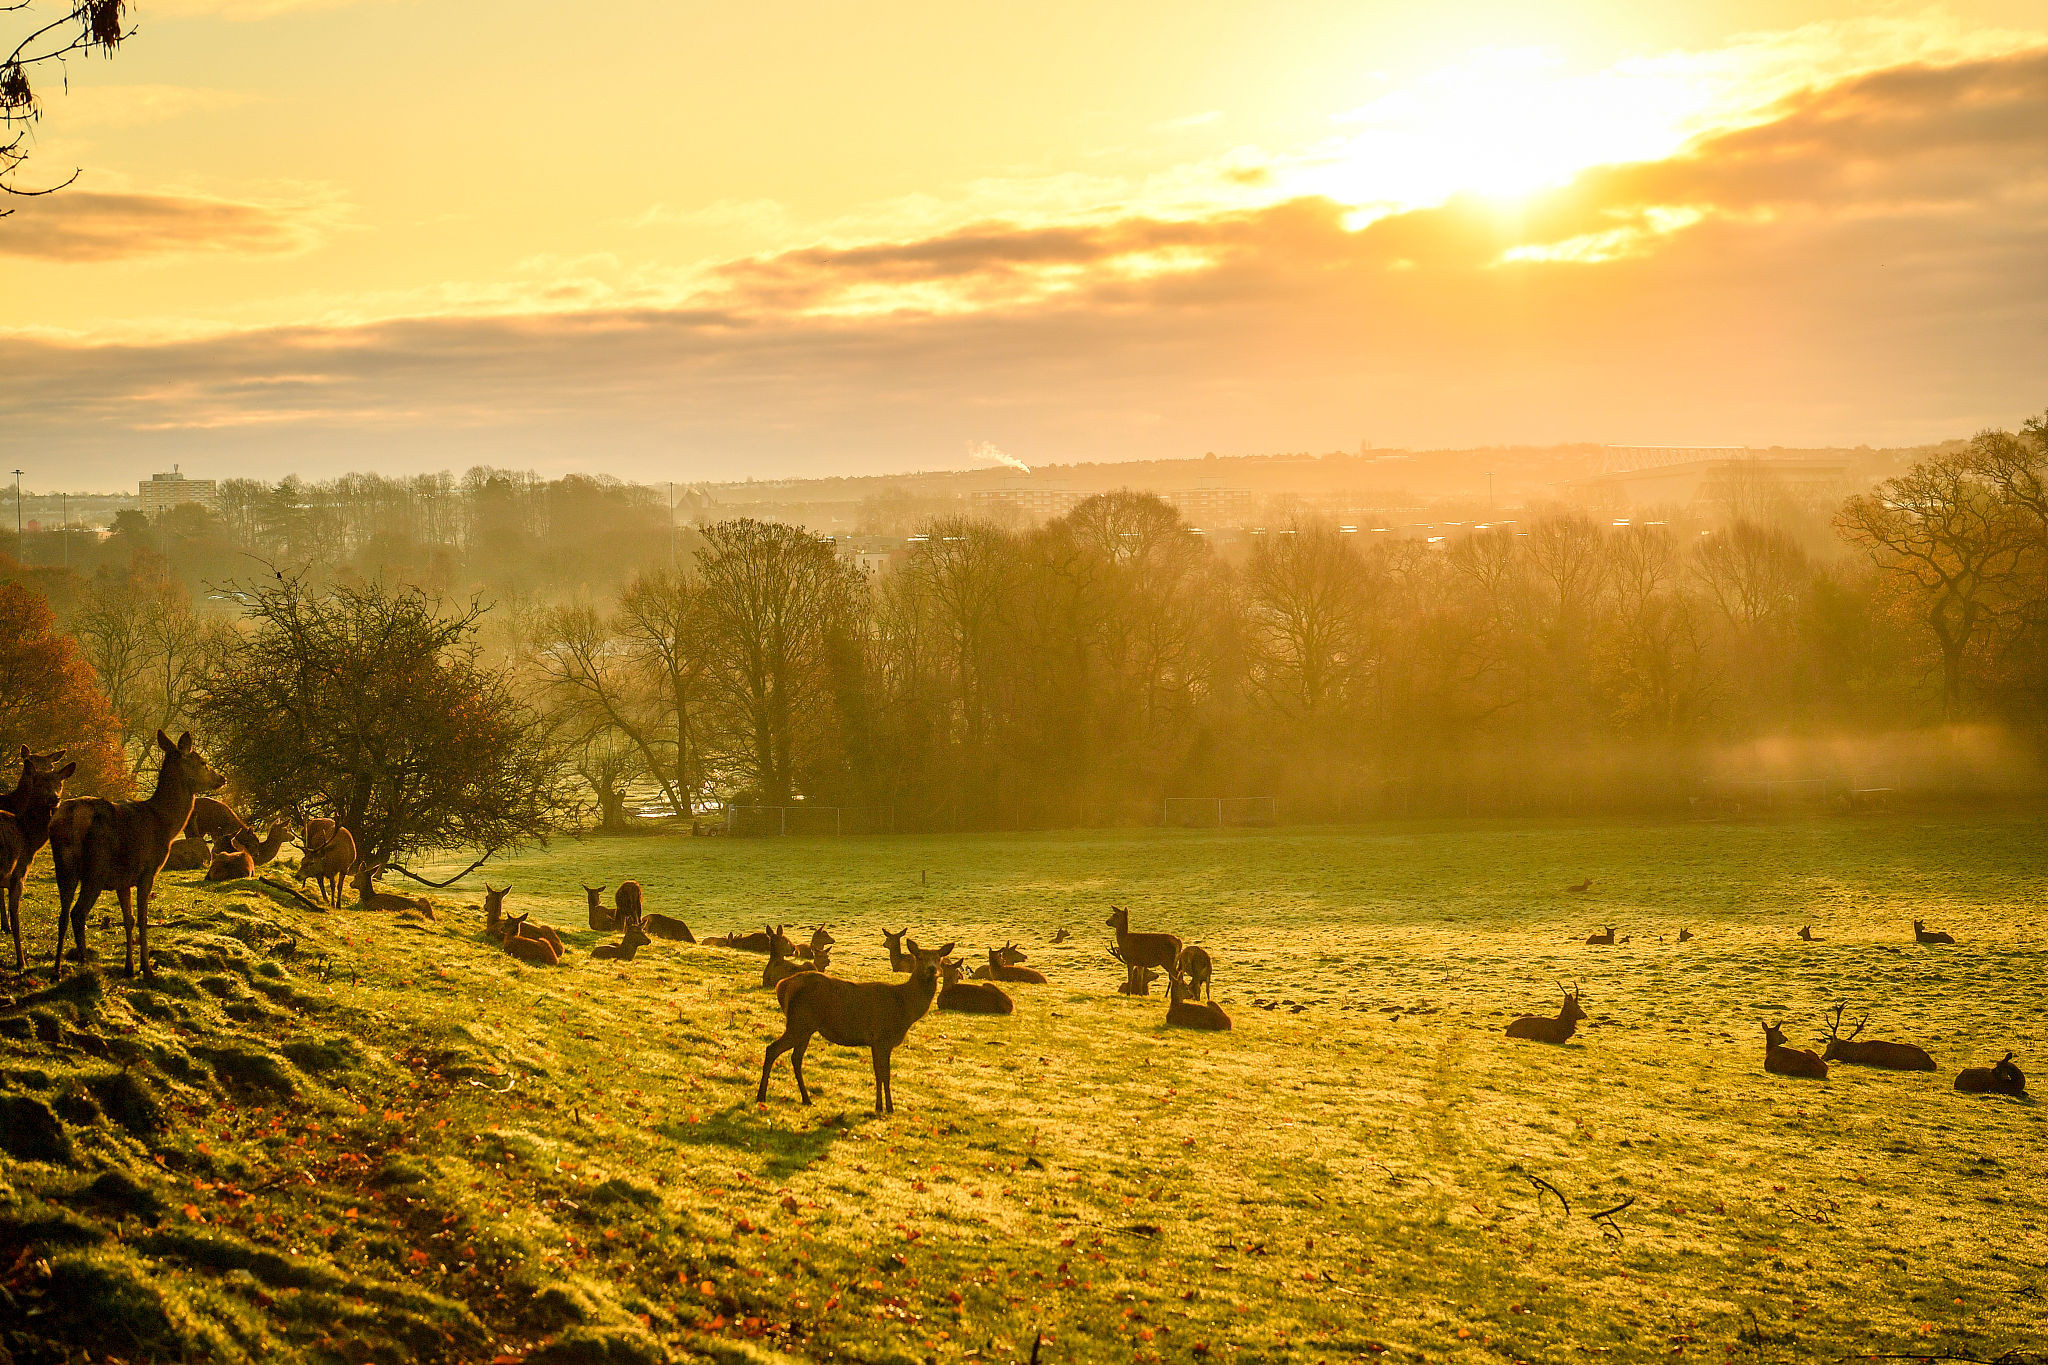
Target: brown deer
x,y
368,897
494,909
869,1014
1538,1028
213,819
1144,950
758,943
28,808
899,961
1806,933
626,904
328,863
668,927
1000,968
519,944
971,997
623,950
1922,934
120,846
1581,887
1603,940
2002,1077
316,832
1890,1056
1183,1012
1008,955
1685,935
525,926
601,919
1781,1060
262,851
231,866
1197,968
1138,981
821,937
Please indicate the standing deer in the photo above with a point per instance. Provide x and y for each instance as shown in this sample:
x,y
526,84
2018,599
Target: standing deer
x,y
1781,1060
1922,934
1197,968
778,966
28,810
120,846
867,1014
327,863
1183,1012
626,903
2002,1077
971,997
1538,1028
1144,950
1603,940
1890,1056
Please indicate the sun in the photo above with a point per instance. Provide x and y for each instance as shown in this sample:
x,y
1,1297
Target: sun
x,y
1503,123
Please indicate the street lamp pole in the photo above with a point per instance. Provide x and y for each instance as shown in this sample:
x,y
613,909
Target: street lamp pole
x,y
20,550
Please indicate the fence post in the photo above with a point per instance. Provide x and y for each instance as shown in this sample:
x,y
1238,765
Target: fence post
x,y
782,821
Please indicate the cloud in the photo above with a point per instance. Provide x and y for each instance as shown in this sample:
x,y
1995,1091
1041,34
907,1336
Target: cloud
x,y
1864,264
86,226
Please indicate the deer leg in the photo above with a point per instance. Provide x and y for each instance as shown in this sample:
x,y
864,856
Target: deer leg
x,y
796,1065
875,1061
142,891
126,896
775,1049
14,920
885,1098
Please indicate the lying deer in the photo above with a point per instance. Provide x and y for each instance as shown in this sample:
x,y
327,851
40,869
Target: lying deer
x,y
120,846
1605,940
1890,1056
1184,1012
899,960
622,951
1000,968
187,855
231,866
757,943
601,919
538,951
1781,1060
1196,966
1538,1028
368,897
668,927
1586,885
1137,980
779,966
29,809
867,1014
2002,1077
525,926
1685,935
262,851
1922,934
494,909
1144,950
1806,933
971,997
1009,955
821,937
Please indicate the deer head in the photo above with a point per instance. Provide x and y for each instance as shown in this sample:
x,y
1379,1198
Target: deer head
x,y
192,770
1571,1010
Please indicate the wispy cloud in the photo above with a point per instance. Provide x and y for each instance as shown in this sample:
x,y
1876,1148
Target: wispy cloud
x,y
84,225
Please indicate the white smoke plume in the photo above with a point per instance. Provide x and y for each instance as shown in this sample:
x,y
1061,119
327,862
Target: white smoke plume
x,y
983,450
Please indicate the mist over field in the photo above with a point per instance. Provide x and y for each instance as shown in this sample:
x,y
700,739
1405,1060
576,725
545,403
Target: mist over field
x,y
869,684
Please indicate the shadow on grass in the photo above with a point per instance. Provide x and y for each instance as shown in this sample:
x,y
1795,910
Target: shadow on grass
x,y
783,1149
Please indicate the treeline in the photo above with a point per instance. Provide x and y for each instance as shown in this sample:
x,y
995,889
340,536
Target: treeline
x,y
1078,672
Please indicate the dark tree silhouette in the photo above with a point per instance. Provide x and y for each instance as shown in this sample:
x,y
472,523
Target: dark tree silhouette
x,y
83,27
370,704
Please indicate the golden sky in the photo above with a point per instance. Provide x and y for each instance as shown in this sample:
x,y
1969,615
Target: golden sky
x,y
691,241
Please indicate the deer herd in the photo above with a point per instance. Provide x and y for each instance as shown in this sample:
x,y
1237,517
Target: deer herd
x,y
99,846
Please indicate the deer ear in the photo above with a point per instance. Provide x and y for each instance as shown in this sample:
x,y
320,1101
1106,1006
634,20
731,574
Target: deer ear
x,y
185,742
946,951
24,753
164,742
66,771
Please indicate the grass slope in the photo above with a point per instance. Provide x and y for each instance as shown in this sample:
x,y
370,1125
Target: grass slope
x,y
344,1137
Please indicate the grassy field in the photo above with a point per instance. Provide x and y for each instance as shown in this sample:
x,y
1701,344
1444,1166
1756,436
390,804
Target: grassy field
x,y
343,1137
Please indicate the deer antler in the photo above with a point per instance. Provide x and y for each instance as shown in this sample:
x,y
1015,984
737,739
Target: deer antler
x,y
1835,1025
1858,1029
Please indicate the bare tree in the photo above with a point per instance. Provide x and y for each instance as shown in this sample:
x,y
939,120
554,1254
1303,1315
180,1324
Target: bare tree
x,y
1753,573
78,28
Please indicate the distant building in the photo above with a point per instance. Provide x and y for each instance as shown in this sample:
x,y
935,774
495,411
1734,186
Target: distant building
x,y
1679,481
1033,503
1204,507
1212,507
161,492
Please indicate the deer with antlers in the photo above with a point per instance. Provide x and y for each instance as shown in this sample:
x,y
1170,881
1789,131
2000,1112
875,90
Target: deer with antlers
x,y
1144,950
2002,1077
120,846
867,1014
1541,1028
1889,1056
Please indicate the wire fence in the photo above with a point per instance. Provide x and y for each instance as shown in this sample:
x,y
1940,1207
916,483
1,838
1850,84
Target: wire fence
x,y
777,821
1214,812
